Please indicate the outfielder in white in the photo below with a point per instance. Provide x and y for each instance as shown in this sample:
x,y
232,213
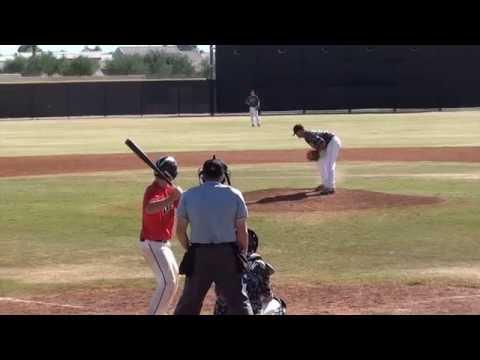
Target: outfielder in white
x,y
328,145
254,105
158,226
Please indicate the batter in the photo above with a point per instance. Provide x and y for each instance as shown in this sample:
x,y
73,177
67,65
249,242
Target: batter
x,y
159,210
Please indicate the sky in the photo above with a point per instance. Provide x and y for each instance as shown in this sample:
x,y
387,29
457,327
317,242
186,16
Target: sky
x,y
12,49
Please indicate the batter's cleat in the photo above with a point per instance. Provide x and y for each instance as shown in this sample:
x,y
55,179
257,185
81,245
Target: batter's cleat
x,y
319,188
327,192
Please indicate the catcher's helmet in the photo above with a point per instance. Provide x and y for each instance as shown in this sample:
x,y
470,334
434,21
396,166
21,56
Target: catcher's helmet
x,y
252,241
168,165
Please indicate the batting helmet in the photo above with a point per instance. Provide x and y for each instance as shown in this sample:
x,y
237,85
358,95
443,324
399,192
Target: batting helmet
x,y
168,165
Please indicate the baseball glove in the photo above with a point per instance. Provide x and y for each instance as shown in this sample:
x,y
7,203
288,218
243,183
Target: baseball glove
x,y
313,155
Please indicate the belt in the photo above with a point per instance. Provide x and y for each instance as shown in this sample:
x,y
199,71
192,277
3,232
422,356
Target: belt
x,y
164,241
231,243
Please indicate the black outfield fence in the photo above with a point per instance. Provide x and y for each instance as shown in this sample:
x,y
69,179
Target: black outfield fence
x,y
347,77
287,78
105,98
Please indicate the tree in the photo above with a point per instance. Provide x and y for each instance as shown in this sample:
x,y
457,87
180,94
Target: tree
x,y
29,48
15,66
187,47
49,64
80,66
154,63
181,65
24,48
205,68
96,48
159,63
34,67
125,65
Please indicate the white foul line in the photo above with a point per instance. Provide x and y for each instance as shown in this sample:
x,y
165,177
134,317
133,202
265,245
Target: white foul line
x,y
405,306
41,303
457,297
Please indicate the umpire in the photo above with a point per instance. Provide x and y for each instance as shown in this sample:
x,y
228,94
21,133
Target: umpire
x,y
217,215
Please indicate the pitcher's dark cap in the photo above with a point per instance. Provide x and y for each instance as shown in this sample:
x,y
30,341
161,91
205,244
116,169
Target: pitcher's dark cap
x,y
297,127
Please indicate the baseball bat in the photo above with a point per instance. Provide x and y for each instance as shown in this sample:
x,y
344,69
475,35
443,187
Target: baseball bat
x,y
141,154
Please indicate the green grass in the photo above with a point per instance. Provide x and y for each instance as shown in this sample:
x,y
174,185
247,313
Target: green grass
x,y
60,232
87,226
89,136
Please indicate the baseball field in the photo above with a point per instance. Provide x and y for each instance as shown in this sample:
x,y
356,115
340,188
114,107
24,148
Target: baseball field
x,y
401,235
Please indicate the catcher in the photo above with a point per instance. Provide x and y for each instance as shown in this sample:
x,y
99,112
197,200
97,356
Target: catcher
x,y
257,281
325,149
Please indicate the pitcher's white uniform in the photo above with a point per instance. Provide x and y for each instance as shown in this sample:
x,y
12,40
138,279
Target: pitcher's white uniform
x,y
328,156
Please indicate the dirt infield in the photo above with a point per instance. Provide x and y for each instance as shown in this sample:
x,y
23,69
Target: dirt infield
x,y
43,165
301,299
292,200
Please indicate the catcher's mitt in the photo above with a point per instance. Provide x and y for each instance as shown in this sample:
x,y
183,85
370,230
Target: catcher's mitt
x,y
313,155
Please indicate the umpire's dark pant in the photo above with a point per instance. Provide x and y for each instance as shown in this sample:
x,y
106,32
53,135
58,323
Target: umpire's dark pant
x,y
217,264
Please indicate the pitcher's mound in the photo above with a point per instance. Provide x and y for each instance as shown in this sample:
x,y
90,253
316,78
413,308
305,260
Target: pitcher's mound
x,y
282,200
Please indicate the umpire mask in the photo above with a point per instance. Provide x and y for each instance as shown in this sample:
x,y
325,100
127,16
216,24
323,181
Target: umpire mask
x,y
214,169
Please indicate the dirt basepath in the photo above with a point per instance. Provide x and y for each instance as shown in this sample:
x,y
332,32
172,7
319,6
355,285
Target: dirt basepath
x,y
301,300
58,164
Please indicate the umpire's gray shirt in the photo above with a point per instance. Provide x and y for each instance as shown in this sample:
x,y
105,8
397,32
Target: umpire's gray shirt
x,y
212,210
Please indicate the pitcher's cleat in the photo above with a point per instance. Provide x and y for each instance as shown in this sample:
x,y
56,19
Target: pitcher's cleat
x,y
327,192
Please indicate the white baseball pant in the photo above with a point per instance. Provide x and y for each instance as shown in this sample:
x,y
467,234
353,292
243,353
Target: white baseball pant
x,y
327,162
161,260
254,116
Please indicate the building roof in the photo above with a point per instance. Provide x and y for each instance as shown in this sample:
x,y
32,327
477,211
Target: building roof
x,y
96,55
24,54
6,57
145,50
91,54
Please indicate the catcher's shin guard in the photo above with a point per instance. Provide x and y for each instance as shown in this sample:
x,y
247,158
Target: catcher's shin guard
x,y
276,306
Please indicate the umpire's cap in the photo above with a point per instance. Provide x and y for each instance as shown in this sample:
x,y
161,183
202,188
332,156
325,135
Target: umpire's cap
x,y
214,168
297,127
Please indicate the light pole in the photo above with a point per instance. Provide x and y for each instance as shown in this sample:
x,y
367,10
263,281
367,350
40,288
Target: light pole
x,y
212,82
212,63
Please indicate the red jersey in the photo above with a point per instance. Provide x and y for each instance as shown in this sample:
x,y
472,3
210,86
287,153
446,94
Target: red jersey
x,y
158,226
